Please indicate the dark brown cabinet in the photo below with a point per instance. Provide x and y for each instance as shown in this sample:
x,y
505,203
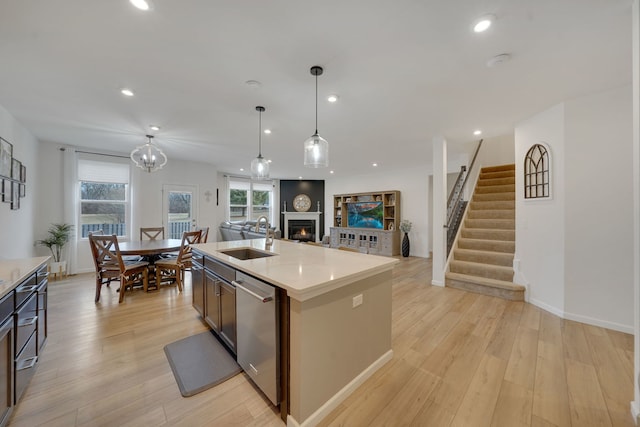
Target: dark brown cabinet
x,y
218,298
7,338
197,282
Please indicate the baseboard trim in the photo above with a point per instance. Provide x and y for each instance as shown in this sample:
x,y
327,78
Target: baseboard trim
x,y
583,319
437,283
331,404
635,412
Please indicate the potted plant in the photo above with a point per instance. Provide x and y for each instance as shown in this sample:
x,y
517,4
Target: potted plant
x,y
405,227
59,235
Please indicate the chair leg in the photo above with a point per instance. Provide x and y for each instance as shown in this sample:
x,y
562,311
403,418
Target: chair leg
x,y
98,289
179,278
123,287
145,280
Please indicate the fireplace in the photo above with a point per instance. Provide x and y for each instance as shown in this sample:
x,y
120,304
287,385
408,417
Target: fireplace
x,y
303,226
302,230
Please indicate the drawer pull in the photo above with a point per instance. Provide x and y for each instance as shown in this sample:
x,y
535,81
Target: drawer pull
x,y
29,321
26,289
27,363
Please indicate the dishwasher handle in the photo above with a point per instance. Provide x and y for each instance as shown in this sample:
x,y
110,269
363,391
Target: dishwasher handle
x,y
238,284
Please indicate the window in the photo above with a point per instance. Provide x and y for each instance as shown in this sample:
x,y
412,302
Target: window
x,y
104,197
536,172
249,200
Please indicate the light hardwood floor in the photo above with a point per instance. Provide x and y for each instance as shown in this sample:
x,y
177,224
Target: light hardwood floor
x,y
460,359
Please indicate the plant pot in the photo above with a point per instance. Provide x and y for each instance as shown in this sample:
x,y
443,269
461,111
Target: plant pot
x,y
405,245
58,268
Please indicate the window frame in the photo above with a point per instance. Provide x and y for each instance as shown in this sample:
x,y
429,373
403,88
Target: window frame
x,y
250,186
534,168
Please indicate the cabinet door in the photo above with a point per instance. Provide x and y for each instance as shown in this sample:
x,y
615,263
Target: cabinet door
x,y
228,314
212,300
6,371
197,287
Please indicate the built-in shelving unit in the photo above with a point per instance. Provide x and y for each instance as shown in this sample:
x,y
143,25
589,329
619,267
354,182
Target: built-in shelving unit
x,y
380,241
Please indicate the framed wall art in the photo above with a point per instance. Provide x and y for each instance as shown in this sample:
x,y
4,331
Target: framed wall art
x,y
6,155
15,169
15,191
7,195
23,173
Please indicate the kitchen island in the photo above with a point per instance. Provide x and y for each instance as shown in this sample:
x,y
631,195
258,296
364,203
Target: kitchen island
x,y
335,313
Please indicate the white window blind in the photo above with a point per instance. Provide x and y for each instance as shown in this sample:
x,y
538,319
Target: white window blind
x,y
97,171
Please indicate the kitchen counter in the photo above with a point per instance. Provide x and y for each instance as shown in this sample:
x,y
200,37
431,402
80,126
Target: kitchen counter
x,y
14,271
305,271
336,319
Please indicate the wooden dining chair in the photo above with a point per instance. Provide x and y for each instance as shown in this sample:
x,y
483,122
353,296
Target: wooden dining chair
x,y
110,265
103,276
151,233
204,233
174,268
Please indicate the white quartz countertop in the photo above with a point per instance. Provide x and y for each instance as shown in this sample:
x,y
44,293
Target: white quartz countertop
x,y
304,270
14,271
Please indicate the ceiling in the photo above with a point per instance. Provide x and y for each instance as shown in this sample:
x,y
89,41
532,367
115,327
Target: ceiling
x,y
405,71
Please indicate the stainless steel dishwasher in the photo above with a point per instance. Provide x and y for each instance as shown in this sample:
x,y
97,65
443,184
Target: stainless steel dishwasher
x,y
257,333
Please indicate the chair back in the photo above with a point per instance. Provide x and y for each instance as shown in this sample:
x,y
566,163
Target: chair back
x,y
204,234
94,250
151,233
107,253
188,238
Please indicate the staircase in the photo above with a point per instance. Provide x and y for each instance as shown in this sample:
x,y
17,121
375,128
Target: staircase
x,y
482,259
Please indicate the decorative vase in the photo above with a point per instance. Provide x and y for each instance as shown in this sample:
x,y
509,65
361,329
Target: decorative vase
x,y
405,245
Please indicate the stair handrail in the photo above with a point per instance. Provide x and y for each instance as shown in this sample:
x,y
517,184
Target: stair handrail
x,y
456,194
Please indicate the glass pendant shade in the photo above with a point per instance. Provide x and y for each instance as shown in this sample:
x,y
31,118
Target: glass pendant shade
x,y
149,157
316,148
316,152
260,165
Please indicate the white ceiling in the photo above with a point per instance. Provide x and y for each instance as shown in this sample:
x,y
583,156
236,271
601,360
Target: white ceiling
x,y
405,71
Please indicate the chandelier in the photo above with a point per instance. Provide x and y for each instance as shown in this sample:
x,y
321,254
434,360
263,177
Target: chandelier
x,y
148,157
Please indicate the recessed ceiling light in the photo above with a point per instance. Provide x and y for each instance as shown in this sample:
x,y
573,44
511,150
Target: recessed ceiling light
x,y
140,4
483,23
154,127
299,177
241,169
477,132
267,131
374,165
332,98
330,171
126,92
269,160
498,59
253,83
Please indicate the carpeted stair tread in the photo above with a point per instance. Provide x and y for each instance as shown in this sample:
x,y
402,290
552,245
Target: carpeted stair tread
x,y
493,204
491,223
497,272
488,182
488,257
498,174
505,188
494,197
487,245
492,214
499,288
488,234
499,168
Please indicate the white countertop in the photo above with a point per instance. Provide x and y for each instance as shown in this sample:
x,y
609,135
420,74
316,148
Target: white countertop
x,y
14,271
304,270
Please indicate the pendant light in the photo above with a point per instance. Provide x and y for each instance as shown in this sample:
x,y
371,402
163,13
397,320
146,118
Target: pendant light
x,y
259,165
149,157
316,148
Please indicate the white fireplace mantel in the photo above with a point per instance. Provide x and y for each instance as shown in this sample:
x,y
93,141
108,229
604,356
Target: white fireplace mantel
x,y
302,215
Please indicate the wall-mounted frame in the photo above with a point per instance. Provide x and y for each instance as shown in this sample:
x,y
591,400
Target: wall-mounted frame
x,y
23,190
16,165
6,156
15,190
23,173
7,195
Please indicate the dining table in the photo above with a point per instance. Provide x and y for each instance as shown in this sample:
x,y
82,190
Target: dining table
x,y
150,251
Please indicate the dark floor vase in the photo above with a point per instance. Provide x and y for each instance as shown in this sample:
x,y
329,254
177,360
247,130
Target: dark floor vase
x,y
405,245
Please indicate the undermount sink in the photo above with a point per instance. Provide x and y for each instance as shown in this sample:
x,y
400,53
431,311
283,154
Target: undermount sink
x,y
246,253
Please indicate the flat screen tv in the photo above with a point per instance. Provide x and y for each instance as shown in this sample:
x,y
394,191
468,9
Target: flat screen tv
x,y
365,215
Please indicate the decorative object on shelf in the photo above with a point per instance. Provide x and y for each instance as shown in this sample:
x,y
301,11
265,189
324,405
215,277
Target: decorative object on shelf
x,y
59,235
301,203
148,157
318,205
378,198
260,165
6,155
284,206
316,148
392,226
405,227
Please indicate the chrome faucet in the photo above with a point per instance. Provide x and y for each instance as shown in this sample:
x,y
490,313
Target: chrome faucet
x,y
269,235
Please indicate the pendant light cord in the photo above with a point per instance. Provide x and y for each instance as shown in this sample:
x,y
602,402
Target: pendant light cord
x,y
260,134
316,104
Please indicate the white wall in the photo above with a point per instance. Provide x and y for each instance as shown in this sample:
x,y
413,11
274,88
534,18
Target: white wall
x,y
599,209
575,250
16,229
414,195
539,257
